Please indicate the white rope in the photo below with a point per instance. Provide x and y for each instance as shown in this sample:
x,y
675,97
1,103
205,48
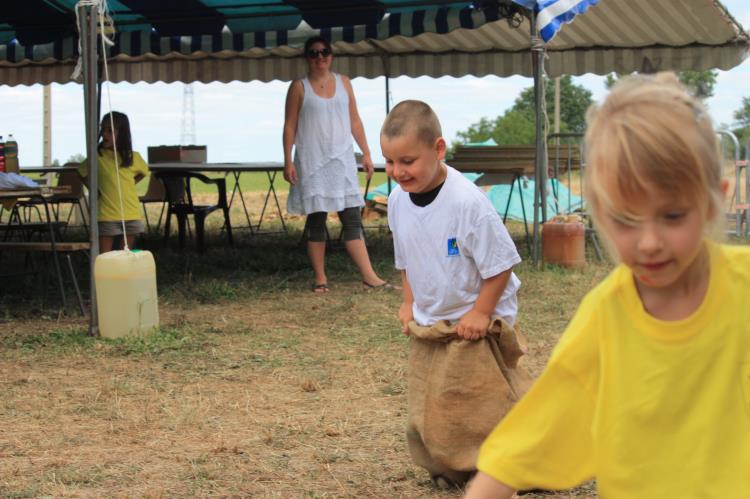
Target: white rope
x,y
105,23
538,45
103,11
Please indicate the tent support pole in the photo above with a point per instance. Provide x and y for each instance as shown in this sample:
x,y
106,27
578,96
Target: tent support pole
x,y
540,167
87,32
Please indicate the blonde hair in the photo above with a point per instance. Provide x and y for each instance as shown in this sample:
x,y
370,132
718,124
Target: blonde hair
x,y
651,135
412,116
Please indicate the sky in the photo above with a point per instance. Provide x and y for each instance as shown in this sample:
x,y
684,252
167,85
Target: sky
x,y
242,122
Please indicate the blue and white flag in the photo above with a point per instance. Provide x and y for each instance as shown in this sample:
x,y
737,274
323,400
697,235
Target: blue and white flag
x,y
551,14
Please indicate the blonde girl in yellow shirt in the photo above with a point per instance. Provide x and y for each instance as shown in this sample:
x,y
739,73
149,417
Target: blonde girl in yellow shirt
x,y
118,200
648,390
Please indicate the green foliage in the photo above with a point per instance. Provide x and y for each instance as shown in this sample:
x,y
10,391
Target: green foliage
x,y
159,342
55,340
611,79
513,127
479,132
517,124
743,135
742,115
76,158
574,102
742,122
700,83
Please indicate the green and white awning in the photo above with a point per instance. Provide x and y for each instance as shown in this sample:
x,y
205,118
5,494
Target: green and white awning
x,y
227,40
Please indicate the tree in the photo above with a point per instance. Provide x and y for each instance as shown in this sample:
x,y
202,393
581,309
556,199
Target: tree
x,y
742,122
517,124
574,102
479,132
611,79
513,127
700,83
742,115
76,158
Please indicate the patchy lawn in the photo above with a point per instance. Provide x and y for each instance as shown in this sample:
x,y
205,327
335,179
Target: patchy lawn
x,y
253,387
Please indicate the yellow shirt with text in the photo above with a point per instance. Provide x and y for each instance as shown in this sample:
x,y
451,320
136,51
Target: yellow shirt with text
x,y
109,201
650,408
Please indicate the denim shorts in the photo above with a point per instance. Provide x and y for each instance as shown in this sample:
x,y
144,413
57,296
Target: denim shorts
x,y
132,227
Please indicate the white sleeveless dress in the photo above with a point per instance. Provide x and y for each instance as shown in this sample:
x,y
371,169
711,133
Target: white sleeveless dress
x,y
324,155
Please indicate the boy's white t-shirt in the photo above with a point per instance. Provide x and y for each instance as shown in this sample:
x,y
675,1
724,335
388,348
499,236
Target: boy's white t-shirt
x,y
448,247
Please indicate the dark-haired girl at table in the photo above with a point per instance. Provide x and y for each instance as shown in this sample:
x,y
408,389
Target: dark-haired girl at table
x,y
118,173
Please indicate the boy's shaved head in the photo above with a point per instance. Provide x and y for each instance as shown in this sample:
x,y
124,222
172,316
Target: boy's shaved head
x,y
412,116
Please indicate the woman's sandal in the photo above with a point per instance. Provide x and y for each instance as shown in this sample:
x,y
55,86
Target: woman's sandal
x,y
320,288
386,286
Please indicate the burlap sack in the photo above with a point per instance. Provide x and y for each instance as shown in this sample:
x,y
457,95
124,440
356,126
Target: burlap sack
x,y
458,392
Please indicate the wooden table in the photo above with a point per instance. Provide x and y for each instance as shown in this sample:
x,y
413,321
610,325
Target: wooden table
x,y
52,246
42,192
47,169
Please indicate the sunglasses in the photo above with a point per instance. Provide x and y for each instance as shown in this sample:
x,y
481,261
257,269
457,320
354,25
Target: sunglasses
x,y
314,54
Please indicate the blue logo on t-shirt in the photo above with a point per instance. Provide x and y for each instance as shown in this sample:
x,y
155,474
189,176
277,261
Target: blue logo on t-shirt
x,y
453,247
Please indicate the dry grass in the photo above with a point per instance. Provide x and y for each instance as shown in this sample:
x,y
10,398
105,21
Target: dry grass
x,y
254,387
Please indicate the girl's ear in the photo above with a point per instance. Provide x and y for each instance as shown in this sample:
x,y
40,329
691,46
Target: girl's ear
x,y
724,188
723,191
440,148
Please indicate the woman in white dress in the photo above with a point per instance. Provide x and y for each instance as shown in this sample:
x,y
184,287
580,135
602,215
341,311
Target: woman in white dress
x,y
320,120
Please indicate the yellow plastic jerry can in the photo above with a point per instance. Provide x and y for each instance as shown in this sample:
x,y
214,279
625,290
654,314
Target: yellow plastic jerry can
x,y
126,293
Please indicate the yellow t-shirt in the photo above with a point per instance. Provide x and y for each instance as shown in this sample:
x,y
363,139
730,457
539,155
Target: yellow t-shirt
x,y
109,201
649,408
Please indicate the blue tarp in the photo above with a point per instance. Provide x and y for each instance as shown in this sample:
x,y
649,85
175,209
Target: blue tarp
x,y
498,195
565,202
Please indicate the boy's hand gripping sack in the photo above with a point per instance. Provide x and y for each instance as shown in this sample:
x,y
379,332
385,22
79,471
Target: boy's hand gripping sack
x,y
458,391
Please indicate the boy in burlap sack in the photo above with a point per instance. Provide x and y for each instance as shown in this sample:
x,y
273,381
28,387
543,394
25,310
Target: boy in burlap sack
x,y
456,260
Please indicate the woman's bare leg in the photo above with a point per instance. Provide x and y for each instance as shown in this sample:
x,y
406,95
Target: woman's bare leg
x,y
358,251
316,251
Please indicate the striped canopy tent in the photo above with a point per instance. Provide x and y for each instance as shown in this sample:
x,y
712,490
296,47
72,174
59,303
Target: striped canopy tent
x,y
244,40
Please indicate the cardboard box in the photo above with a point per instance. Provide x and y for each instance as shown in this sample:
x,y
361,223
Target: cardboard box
x,y
177,154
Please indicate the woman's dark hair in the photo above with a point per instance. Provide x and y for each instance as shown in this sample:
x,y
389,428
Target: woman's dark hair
x,y
123,141
317,39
